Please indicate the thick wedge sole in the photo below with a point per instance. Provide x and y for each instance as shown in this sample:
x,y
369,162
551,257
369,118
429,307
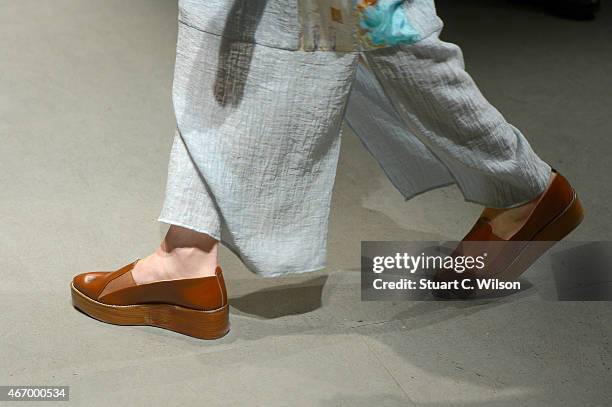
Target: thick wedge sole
x,y
199,324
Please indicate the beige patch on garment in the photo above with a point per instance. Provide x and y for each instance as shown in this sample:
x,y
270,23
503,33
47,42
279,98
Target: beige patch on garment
x,y
327,25
336,15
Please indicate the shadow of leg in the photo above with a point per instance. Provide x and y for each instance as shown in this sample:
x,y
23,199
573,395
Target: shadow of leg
x,y
282,301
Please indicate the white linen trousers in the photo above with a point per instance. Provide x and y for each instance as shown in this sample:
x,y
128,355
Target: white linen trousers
x,y
258,128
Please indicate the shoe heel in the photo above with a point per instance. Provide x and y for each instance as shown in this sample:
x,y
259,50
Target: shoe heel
x,y
199,324
555,231
563,224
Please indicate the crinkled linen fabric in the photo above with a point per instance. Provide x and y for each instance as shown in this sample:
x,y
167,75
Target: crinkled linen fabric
x,y
278,23
254,157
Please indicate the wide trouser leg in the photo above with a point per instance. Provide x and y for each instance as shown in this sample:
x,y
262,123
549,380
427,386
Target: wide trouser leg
x,y
438,102
255,155
408,163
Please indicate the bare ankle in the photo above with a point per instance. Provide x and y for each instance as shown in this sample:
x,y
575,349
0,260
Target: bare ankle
x,y
189,262
182,254
187,252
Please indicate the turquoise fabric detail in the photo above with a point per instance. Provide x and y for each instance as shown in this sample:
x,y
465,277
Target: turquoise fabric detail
x,y
387,24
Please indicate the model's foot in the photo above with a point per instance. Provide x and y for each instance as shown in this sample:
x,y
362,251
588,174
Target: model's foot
x,y
179,287
184,253
197,306
514,239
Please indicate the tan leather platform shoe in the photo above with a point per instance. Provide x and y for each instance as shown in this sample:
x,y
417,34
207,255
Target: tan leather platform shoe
x,y
196,307
557,213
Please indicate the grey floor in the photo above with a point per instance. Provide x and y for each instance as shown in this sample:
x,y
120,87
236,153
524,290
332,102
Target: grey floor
x,y
85,128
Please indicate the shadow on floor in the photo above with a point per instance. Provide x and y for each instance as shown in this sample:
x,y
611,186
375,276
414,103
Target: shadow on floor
x,y
281,301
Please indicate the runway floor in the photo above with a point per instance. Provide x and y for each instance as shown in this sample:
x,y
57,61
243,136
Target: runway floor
x,y
86,124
